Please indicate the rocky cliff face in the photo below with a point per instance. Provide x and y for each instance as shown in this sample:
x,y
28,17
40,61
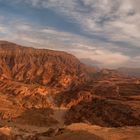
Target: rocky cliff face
x,y
36,78
44,67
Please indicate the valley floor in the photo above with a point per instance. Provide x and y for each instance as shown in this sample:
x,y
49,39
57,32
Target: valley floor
x,y
77,131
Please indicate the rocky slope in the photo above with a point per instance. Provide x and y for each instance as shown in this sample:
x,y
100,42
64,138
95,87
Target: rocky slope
x,y
42,89
44,67
113,102
32,80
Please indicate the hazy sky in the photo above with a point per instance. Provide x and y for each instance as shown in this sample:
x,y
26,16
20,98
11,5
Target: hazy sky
x,y
102,32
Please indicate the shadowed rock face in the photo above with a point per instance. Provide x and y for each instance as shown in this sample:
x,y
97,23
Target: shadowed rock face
x,y
104,113
114,102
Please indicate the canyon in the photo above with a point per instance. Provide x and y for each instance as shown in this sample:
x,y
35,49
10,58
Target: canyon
x,y
47,94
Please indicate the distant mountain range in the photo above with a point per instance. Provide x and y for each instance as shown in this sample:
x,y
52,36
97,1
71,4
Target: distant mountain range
x,y
127,71
134,72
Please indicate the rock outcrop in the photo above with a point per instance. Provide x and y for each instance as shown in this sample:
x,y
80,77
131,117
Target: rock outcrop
x,y
40,66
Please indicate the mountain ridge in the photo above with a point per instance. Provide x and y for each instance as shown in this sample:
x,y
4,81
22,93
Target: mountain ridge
x,y
19,59
52,89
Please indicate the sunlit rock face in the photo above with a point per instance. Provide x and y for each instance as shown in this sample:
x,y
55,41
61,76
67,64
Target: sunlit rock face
x,y
43,67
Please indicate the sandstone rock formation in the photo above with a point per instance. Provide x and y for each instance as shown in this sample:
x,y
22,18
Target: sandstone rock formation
x,y
43,90
44,67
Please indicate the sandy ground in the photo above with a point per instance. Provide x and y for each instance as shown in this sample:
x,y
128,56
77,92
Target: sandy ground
x,y
91,132
125,133
79,131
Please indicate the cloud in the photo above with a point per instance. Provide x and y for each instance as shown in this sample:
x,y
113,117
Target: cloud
x,y
102,57
54,39
109,30
51,38
2,29
107,19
